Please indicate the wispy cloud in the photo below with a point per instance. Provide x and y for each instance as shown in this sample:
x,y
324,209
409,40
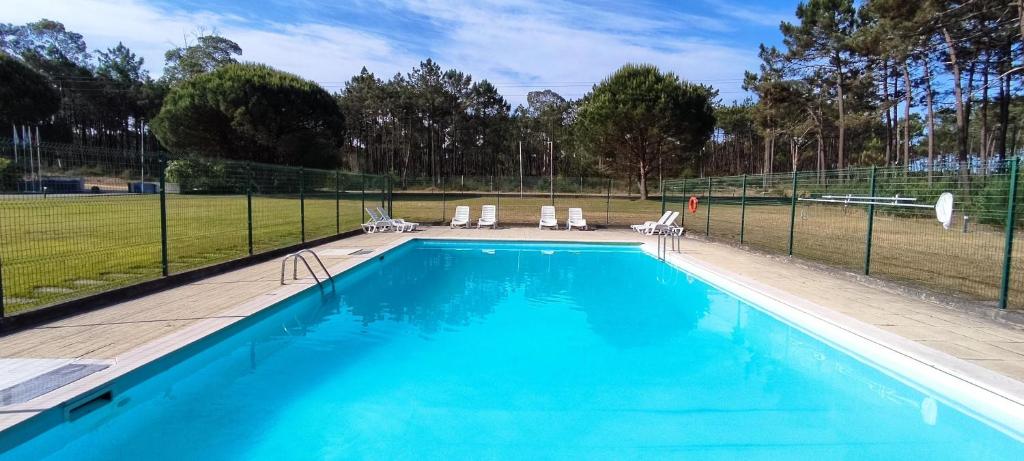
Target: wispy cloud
x,y
521,43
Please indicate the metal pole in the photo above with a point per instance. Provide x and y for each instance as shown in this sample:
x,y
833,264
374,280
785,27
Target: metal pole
x,y
163,216
682,221
743,208
248,205
302,206
362,200
792,215
551,156
608,205
707,227
444,201
1,289
337,201
871,225
662,199
391,195
520,169
1004,292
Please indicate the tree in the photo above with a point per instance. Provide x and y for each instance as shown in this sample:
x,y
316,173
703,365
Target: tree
x,y
207,54
26,95
640,116
822,38
252,112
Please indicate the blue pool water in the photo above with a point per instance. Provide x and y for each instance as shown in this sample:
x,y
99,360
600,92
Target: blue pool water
x,y
471,350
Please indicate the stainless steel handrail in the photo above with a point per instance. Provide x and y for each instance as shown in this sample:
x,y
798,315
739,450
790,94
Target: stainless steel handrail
x,y
295,257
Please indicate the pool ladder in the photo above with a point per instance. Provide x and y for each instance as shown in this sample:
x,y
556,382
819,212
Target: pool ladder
x,y
295,258
665,240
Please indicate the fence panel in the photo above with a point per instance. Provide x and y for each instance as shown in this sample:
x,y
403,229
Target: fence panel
x,y
87,233
828,232
767,213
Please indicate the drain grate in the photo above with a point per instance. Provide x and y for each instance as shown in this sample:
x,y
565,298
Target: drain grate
x,y
46,382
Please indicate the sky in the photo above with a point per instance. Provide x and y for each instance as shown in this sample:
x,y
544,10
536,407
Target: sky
x,y
519,45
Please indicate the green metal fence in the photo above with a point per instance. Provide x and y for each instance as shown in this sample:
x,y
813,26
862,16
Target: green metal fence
x,y
976,257
75,221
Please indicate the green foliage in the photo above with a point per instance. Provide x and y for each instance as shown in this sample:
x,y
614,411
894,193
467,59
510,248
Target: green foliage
x,y
643,118
252,112
26,96
207,54
201,176
10,174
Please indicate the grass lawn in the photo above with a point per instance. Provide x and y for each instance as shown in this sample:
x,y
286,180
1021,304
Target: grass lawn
x,y
59,248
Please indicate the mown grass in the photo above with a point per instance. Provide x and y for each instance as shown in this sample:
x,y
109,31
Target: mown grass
x,y
60,248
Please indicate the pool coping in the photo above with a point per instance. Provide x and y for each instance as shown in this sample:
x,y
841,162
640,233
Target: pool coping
x,y
962,371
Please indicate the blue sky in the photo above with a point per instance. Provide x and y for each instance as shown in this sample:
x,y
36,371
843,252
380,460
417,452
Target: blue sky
x,y
520,45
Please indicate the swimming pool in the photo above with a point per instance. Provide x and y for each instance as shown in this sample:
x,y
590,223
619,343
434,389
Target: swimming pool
x,y
469,350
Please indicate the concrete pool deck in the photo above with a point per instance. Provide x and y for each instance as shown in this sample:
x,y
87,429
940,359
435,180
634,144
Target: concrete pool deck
x,y
131,334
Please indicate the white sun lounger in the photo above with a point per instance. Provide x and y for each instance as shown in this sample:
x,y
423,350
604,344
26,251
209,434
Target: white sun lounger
x,y
488,217
547,217
575,219
461,218
399,224
376,223
645,227
665,227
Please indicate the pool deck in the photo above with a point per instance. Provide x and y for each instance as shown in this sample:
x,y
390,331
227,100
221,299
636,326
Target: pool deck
x,y
130,334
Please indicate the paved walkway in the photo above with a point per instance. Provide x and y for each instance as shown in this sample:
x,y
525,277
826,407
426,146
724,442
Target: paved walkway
x,y
131,333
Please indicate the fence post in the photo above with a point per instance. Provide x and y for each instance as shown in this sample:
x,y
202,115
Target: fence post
x,y
743,208
497,200
682,221
662,199
362,199
792,215
248,204
707,227
608,205
1,289
337,202
444,201
1011,205
871,225
302,206
391,195
163,215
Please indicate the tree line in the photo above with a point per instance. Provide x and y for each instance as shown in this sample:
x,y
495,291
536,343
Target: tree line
x,y
923,85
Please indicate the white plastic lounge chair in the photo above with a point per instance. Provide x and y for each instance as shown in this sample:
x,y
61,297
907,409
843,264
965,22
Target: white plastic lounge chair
x,y
399,224
665,227
547,217
488,217
575,219
461,218
376,223
645,227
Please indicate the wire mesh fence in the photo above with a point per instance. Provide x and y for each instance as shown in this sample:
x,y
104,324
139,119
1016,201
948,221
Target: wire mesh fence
x,y
784,214
77,220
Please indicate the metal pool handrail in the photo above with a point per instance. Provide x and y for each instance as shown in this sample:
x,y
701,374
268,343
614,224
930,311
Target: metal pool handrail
x,y
295,257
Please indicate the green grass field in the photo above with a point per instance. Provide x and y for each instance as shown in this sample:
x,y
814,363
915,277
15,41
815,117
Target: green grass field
x,y
60,248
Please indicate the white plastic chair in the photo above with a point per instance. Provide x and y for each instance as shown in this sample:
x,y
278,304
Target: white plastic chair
x,y
547,217
399,224
575,219
488,217
461,218
645,227
376,222
666,226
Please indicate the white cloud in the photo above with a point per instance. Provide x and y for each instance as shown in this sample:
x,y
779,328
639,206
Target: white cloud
x,y
523,42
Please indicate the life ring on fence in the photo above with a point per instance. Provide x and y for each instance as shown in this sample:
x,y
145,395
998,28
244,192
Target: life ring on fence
x,y
692,206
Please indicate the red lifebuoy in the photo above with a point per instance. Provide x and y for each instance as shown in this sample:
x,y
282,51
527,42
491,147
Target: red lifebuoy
x,y
693,205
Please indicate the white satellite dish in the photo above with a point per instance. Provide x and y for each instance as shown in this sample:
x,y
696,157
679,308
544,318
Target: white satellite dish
x,y
944,209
